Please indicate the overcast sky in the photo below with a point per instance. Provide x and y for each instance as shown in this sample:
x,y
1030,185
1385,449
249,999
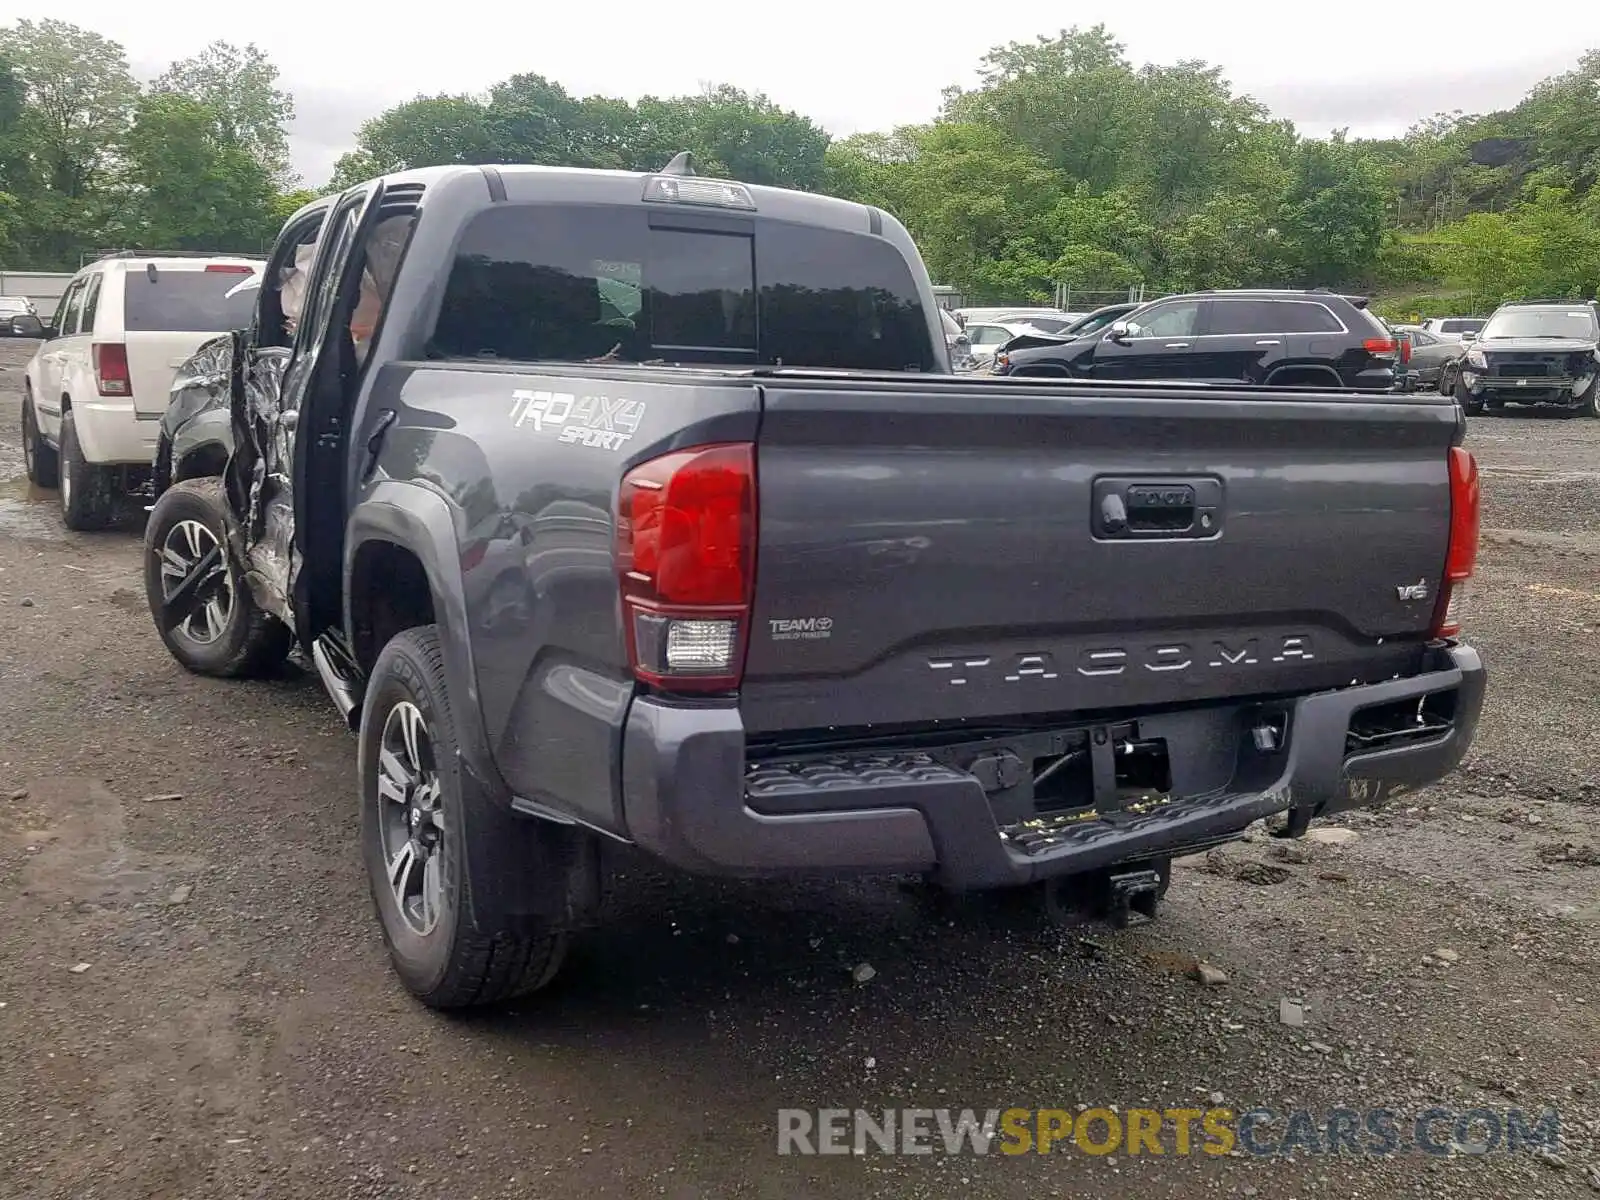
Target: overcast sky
x,y
852,66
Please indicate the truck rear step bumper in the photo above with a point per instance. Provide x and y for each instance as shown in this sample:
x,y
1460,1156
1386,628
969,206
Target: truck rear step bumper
x,y
693,798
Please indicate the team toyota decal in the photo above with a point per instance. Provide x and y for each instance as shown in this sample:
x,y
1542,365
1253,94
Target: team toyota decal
x,y
604,422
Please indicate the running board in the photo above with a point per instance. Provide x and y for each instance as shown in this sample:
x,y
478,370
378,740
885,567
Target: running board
x,y
340,676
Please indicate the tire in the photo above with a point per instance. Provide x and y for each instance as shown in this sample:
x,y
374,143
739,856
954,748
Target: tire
x,y
433,935
38,457
1591,406
232,637
1470,404
88,497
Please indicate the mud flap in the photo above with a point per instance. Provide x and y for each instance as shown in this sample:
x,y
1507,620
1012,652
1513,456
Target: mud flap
x,y
524,872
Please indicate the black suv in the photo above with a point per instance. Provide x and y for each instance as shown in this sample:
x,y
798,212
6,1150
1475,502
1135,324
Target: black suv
x,y
1284,338
1533,352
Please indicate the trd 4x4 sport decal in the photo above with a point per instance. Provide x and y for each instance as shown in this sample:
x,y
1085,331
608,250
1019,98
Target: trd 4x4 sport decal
x,y
604,422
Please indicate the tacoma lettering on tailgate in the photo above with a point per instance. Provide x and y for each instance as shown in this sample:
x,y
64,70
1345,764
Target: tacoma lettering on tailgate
x,y
1099,661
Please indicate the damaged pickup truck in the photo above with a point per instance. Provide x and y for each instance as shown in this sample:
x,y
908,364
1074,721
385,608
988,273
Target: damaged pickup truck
x,y
622,510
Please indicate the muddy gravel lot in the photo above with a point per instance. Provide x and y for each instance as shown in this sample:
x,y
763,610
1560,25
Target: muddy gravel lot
x,y
194,1000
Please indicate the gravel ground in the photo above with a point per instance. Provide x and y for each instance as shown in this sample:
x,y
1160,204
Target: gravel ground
x,y
194,1001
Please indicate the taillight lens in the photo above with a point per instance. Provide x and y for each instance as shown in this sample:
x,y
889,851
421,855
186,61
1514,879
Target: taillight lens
x,y
229,269
111,369
686,545
1380,347
1405,350
1462,555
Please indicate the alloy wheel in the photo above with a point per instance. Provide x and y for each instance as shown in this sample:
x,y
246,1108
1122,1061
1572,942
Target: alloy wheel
x,y
186,543
411,818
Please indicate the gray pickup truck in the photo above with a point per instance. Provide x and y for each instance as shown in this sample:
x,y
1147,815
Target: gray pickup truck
x,y
621,510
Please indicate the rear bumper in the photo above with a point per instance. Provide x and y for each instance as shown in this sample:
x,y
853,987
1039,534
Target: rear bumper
x,y
111,433
691,798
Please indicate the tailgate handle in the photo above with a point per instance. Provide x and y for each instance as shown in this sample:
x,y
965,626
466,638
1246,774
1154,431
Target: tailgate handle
x,y
1164,506
1158,508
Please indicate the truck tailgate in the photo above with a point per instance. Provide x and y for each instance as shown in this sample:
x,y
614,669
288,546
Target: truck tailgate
x,y
978,551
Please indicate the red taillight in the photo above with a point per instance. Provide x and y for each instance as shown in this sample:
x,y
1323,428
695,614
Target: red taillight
x,y
111,369
1462,554
230,269
686,546
1381,346
1405,350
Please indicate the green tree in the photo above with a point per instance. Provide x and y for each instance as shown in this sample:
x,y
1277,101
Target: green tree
x,y
980,209
746,135
189,187
1331,216
426,132
1068,99
239,86
535,120
77,101
1492,258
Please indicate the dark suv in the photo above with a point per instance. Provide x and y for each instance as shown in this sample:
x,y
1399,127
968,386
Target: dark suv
x,y
1533,352
1284,338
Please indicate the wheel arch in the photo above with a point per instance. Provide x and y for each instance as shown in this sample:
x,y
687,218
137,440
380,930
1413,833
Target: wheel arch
x,y
1307,375
404,534
199,461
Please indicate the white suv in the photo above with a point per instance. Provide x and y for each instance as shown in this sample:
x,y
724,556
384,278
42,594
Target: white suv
x,y
96,389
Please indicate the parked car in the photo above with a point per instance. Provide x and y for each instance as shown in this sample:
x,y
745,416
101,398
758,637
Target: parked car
x,y
94,391
1282,338
1425,355
14,306
988,336
1531,352
957,342
969,315
1044,320
1002,632
1082,327
1454,329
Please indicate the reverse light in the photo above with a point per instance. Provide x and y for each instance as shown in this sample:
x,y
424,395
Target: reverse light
x,y
1461,557
111,369
686,561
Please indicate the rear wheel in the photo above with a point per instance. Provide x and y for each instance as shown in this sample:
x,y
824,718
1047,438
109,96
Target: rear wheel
x,y
38,457
88,494
202,607
414,826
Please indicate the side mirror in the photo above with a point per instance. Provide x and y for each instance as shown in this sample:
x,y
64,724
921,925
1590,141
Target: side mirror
x,y
1120,331
29,326
1469,336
